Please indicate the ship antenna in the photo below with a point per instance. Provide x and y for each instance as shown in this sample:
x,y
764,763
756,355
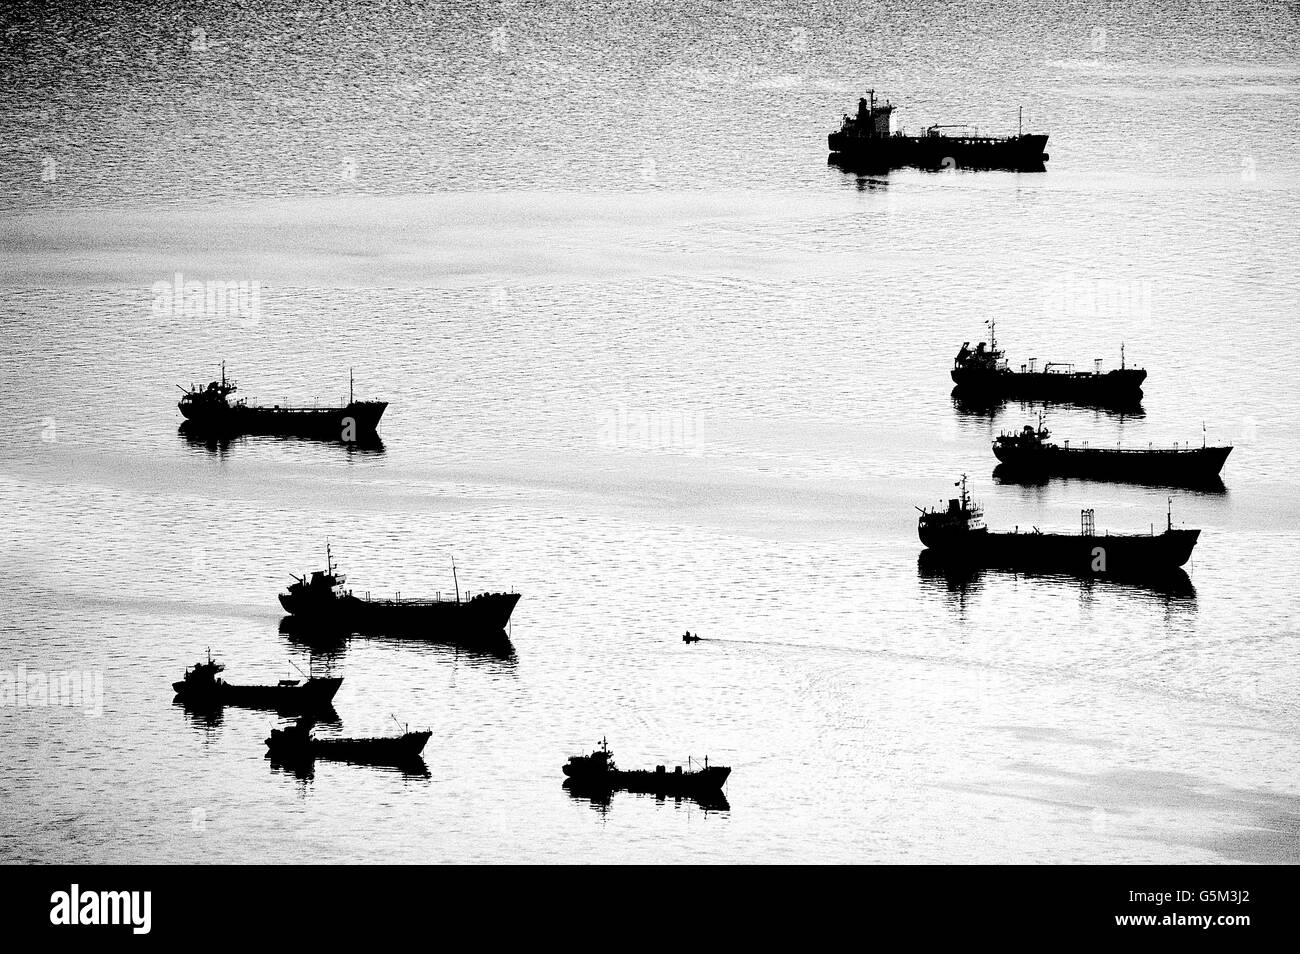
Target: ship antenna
x,y
1202,435
454,580
223,374
1022,120
349,385
1121,356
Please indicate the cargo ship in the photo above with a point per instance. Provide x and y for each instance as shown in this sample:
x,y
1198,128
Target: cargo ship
x,y
210,411
297,743
983,373
597,772
957,535
322,599
867,141
202,687
1030,453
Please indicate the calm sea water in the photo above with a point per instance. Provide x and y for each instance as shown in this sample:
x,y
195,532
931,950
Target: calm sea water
x,y
655,365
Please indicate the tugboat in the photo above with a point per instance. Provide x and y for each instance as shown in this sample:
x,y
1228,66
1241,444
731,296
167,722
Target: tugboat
x,y
296,743
983,373
202,687
1029,452
958,536
323,599
597,772
210,411
865,141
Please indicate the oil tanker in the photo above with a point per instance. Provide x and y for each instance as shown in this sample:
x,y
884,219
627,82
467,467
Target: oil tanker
x,y
597,772
322,599
866,141
202,687
957,535
1030,453
210,411
983,373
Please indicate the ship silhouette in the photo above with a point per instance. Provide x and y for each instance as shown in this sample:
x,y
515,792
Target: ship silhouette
x,y
1030,453
865,143
297,743
202,687
210,412
598,773
321,599
957,535
982,375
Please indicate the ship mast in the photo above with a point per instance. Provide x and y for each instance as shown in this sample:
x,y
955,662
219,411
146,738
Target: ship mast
x,y
349,385
455,581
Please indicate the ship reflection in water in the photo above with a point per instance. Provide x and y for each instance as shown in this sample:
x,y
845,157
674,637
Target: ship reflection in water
x,y
960,580
329,643
304,769
987,408
1210,486
219,445
600,799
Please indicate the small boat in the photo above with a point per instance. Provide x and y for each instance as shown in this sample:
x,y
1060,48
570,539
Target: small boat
x,y
298,743
597,772
203,687
1030,452
688,638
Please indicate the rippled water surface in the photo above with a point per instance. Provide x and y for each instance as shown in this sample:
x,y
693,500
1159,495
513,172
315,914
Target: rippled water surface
x,y
657,366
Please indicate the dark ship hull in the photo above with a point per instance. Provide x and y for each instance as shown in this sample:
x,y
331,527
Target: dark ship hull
x,y
1117,387
1199,465
700,782
313,695
1128,555
484,615
395,750
350,422
1024,153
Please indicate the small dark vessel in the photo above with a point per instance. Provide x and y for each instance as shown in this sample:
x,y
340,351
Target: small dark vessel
x,y
597,772
688,638
322,598
202,687
1030,452
983,373
296,743
209,411
957,535
865,142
